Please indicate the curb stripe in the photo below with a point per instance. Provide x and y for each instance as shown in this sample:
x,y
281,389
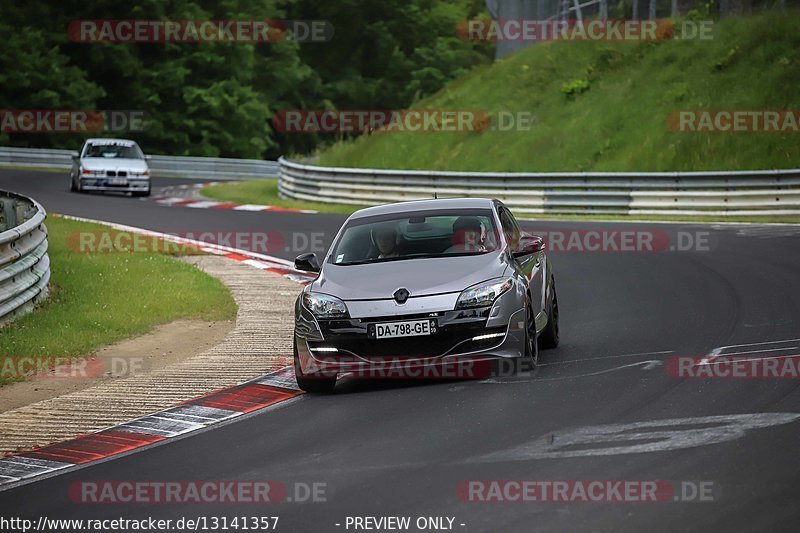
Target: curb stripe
x,y
200,203
245,398
180,419
185,417
90,447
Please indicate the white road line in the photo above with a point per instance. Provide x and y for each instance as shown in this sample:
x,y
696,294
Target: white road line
x,y
203,204
718,351
250,207
643,354
171,200
726,354
717,360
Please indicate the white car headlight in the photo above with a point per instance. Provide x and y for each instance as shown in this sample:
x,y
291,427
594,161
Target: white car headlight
x,y
484,293
142,173
93,173
324,306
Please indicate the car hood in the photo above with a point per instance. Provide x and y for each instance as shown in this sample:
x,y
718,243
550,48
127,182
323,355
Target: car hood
x,y
420,276
98,163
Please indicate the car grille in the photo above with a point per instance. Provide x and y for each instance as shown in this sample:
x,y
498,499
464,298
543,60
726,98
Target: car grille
x,y
114,173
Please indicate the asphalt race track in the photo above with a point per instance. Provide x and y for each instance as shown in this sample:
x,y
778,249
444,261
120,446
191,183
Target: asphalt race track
x,y
602,406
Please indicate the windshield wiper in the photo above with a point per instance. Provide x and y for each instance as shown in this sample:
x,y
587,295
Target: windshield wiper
x,y
407,256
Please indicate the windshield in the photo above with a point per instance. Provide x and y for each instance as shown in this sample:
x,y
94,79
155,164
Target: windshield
x,y
113,151
416,235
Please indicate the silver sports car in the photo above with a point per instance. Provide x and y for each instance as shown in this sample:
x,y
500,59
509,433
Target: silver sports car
x,y
424,284
110,165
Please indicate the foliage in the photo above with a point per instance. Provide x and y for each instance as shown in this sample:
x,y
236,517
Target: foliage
x,y
217,99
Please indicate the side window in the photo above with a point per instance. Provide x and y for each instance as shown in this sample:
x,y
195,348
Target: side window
x,y
510,227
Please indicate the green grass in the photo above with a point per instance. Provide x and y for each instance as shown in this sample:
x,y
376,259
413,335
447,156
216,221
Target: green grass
x,y
6,166
620,122
265,191
101,298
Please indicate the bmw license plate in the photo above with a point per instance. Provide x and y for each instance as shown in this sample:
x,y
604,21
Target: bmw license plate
x,y
408,328
117,181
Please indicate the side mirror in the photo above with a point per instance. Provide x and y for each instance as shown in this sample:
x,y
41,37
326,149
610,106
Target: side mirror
x,y
75,156
528,244
307,262
148,157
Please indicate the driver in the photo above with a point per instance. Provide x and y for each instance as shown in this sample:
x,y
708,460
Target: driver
x,y
468,235
385,240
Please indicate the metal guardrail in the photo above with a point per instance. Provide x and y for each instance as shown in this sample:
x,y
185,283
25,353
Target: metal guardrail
x,y
213,168
24,263
717,194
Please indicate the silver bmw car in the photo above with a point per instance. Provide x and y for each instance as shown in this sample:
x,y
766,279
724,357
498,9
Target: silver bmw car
x,y
424,284
116,165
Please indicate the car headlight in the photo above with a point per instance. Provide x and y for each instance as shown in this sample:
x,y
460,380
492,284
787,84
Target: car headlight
x,y
484,293
143,173
93,173
324,306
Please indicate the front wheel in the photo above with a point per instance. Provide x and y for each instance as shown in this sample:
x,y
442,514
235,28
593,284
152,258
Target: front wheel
x,y
531,346
321,384
550,335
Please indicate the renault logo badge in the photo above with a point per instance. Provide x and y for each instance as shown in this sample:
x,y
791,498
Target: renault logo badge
x,y
401,295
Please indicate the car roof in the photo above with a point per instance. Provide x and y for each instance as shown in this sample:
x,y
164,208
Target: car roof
x,y
425,205
106,139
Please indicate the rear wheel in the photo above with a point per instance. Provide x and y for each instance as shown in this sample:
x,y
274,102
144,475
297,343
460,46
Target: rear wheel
x,y
321,384
550,335
72,184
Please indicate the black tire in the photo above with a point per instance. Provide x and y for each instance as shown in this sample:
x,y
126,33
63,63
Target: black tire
x,y
549,337
531,344
142,193
72,184
319,385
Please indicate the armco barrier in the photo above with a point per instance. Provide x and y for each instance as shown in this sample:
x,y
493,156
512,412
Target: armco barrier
x,y
24,263
717,194
213,168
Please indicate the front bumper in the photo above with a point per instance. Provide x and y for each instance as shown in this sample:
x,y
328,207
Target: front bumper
x,y
131,184
466,343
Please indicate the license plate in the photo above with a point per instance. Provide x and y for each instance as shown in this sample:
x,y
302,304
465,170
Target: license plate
x,y
408,328
117,181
